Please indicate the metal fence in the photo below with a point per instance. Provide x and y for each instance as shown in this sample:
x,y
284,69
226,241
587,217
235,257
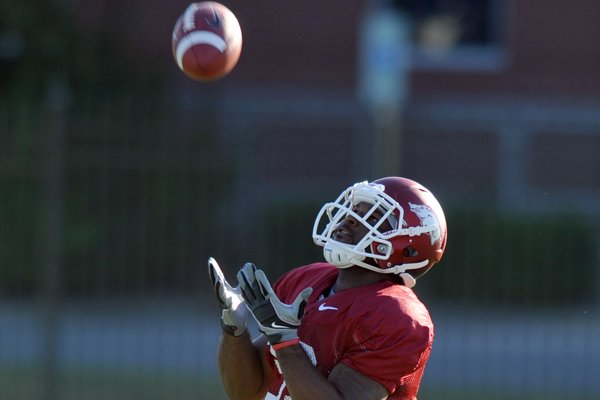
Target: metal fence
x,y
109,207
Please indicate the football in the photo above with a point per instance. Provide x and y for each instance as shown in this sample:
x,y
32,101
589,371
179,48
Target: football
x,y
207,41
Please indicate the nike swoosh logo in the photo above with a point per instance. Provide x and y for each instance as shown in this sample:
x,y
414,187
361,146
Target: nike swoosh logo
x,y
323,307
277,326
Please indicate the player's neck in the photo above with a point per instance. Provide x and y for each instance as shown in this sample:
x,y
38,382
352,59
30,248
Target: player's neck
x,y
352,277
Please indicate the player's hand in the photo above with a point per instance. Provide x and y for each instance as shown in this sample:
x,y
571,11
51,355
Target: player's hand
x,y
234,315
278,321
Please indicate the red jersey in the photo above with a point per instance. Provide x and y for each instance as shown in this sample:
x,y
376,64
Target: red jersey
x,y
382,331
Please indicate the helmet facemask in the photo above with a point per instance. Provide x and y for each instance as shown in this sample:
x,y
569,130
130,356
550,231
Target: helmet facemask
x,y
345,255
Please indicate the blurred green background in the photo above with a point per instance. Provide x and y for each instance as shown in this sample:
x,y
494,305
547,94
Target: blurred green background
x,y
119,177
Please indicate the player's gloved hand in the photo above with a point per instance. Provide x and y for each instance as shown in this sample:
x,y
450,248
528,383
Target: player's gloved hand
x,y
234,315
278,321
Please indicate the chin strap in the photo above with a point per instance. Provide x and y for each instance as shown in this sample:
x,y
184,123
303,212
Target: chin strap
x,y
400,270
408,279
341,259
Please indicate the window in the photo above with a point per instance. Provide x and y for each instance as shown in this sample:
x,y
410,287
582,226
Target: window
x,y
456,34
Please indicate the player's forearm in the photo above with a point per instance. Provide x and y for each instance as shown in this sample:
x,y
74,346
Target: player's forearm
x,y
304,381
240,367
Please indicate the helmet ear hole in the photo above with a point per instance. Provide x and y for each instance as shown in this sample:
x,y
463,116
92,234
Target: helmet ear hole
x,y
410,251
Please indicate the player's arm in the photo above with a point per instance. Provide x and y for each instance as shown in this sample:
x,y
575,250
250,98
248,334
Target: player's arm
x,y
245,372
279,322
304,381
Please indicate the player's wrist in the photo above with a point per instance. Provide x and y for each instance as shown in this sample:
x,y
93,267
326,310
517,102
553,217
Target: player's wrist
x,y
281,335
287,343
233,332
234,322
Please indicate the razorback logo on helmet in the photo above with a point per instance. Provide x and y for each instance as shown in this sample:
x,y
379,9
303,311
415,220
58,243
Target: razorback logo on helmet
x,y
427,217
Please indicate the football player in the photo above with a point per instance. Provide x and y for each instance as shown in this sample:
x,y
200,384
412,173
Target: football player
x,y
347,328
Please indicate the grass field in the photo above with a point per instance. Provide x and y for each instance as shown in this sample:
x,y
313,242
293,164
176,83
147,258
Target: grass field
x,y
102,384
437,394
24,383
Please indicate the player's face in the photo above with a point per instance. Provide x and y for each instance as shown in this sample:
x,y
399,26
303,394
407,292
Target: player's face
x,y
351,231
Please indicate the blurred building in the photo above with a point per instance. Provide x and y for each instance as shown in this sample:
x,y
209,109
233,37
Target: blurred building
x,y
503,95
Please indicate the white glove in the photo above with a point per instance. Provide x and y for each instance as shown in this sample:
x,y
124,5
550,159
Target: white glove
x,y
234,315
278,321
